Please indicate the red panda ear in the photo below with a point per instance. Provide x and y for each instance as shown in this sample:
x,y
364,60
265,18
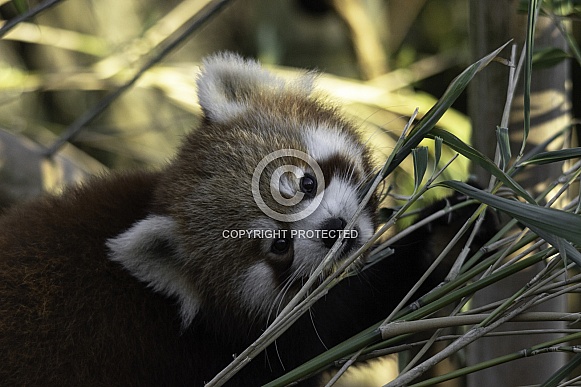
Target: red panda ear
x,y
228,83
149,250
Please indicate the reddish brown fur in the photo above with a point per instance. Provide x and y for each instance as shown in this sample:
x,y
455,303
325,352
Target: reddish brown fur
x,y
70,315
63,302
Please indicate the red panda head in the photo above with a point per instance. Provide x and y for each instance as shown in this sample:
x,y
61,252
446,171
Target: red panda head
x,y
255,197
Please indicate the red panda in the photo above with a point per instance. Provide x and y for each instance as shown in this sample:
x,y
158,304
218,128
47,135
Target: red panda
x,y
154,278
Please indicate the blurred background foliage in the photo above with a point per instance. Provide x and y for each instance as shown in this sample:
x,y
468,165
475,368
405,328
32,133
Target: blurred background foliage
x,y
380,59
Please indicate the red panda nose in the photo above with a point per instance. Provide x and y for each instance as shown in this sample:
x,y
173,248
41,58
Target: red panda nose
x,y
332,227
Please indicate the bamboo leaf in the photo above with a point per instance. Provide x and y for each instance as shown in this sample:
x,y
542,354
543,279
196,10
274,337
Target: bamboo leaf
x,y
420,157
565,249
429,120
548,57
553,156
503,145
438,150
558,223
563,372
528,68
476,157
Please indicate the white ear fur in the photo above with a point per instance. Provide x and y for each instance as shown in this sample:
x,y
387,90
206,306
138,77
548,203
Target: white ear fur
x,y
150,252
227,81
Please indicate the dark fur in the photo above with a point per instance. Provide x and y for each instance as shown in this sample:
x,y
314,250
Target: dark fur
x,y
73,313
70,316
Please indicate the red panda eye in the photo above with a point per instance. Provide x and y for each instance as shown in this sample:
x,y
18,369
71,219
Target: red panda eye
x,y
280,246
308,184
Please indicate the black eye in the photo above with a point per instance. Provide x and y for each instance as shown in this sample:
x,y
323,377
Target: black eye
x,y
280,246
308,184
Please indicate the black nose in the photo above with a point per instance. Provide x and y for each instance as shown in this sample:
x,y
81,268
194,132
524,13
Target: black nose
x,y
332,228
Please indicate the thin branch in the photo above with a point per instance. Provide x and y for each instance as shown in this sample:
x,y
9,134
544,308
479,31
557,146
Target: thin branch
x,y
437,261
344,368
470,336
405,327
10,24
407,346
302,302
195,23
571,382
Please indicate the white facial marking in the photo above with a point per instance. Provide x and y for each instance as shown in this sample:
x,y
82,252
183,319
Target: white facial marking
x,y
340,201
281,183
323,142
258,290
